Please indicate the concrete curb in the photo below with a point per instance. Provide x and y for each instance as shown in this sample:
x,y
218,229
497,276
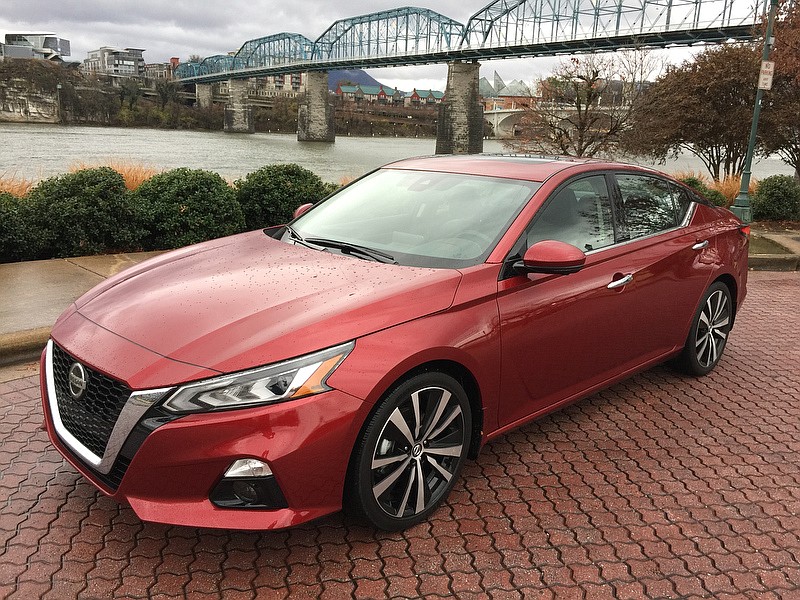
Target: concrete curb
x,y
773,262
790,261
22,346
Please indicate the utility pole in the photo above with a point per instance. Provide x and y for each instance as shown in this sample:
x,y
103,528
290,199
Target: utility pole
x,y
741,206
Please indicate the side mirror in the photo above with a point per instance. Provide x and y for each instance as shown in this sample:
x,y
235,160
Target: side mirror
x,y
551,256
301,209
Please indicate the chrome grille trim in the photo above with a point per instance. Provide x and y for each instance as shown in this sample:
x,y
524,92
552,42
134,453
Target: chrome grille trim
x,y
135,407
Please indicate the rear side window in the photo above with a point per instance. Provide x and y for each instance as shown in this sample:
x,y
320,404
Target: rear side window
x,y
647,204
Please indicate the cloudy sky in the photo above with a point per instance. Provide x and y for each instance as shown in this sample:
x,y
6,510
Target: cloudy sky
x,y
166,28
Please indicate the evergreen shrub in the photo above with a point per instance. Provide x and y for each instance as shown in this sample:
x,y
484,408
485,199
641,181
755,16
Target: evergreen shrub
x,y
186,206
270,195
16,235
714,196
777,198
80,213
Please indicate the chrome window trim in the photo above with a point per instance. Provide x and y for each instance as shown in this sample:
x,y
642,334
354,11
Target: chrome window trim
x,y
683,224
689,214
135,407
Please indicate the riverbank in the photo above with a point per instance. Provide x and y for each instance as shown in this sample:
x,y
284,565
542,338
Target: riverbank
x,y
36,151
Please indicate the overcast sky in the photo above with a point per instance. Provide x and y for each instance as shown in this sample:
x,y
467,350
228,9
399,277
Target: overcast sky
x,y
166,28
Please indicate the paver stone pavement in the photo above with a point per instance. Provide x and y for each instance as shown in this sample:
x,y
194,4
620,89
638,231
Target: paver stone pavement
x,y
662,486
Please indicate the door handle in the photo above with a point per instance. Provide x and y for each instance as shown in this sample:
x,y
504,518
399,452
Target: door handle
x,y
700,245
620,282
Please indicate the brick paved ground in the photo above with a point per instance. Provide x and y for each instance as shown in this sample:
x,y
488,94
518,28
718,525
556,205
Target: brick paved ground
x,y
660,487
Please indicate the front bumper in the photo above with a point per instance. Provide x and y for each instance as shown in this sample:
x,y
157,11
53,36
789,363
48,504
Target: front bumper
x,y
306,443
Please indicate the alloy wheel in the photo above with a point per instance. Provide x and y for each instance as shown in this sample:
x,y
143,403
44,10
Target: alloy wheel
x,y
418,452
712,329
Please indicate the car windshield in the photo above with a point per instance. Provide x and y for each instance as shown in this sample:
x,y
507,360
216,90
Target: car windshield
x,y
415,218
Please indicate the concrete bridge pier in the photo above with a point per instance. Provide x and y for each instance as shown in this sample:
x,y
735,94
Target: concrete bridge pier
x,y
459,128
315,113
238,112
204,94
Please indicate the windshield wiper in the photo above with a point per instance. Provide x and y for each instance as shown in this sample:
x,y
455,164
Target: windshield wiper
x,y
297,238
354,249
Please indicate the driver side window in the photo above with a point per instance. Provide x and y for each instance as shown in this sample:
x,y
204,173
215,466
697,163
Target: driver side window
x,y
578,214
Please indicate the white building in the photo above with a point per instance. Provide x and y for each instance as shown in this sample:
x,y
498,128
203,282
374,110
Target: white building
x,y
123,62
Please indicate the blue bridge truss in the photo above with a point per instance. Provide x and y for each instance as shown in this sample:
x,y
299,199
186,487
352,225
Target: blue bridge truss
x,y
503,28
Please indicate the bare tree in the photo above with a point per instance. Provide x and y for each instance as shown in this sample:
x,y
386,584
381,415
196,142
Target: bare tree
x,y
586,104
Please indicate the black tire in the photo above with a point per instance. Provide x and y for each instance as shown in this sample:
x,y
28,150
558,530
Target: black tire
x,y
420,432
709,332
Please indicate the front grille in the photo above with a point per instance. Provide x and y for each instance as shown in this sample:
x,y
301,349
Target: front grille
x,y
92,418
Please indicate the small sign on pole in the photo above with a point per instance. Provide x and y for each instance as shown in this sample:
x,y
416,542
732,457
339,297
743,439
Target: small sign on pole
x,y
765,76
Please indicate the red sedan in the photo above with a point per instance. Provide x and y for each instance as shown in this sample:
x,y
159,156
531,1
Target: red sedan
x,y
359,355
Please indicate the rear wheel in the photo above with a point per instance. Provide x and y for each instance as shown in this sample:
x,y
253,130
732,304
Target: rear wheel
x,y
411,452
709,332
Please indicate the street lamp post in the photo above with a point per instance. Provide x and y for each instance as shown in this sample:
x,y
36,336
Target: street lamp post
x,y
741,206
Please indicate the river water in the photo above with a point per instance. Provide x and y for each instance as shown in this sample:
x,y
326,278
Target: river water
x,y
34,152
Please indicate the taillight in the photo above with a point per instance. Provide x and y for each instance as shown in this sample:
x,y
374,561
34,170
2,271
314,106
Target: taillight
x,y
745,229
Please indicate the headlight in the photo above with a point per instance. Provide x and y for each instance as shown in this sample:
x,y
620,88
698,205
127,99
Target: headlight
x,y
288,380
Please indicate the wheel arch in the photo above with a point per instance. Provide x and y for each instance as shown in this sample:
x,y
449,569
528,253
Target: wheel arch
x,y
733,288
467,380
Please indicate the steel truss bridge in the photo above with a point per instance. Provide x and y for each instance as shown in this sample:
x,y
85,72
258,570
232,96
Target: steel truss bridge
x,y
502,29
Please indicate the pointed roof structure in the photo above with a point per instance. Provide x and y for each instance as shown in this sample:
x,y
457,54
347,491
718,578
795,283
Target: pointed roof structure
x,y
485,89
499,84
515,88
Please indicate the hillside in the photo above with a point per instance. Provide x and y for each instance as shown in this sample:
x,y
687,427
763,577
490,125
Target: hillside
x,y
352,76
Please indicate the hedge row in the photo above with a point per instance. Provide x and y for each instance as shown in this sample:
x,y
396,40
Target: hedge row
x,y
777,198
91,211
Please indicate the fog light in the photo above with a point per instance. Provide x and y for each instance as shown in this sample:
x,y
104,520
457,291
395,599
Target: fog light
x,y
248,483
248,467
245,492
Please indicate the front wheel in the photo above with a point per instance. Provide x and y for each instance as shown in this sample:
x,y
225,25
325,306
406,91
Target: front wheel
x,y
709,333
411,452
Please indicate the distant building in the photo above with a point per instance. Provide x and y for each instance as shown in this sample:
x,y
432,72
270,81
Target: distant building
x,y
374,94
283,85
271,86
499,96
418,98
161,70
123,62
46,46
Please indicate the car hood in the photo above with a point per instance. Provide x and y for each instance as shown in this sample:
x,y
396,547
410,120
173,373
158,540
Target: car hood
x,y
250,300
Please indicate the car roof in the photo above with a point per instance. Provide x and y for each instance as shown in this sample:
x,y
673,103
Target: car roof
x,y
511,166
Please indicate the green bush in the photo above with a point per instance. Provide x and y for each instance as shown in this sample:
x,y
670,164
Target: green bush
x,y
86,212
777,199
270,195
714,196
16,234
185,206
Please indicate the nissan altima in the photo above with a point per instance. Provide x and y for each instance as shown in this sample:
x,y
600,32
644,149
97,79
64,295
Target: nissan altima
x,y
357,356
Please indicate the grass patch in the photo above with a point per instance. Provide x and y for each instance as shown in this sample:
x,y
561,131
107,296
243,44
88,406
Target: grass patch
x,y
729,187
762,245
134,174
16,186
